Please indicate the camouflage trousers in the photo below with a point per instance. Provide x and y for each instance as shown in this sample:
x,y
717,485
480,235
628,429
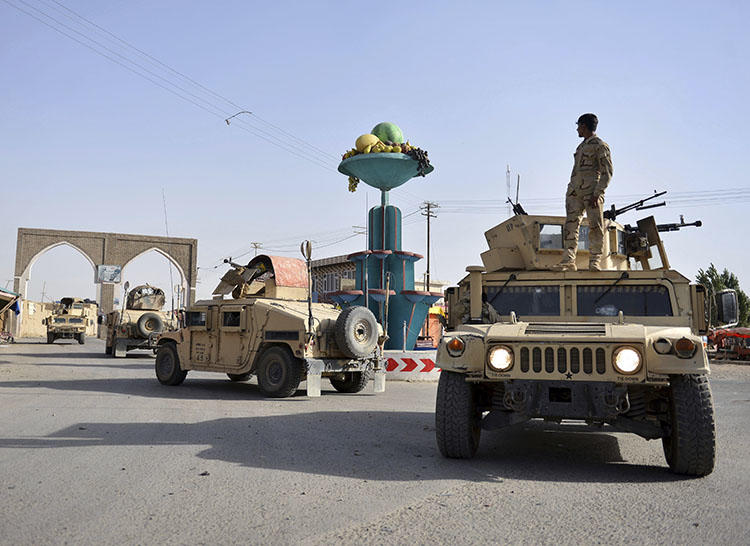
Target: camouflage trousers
x,y
575,205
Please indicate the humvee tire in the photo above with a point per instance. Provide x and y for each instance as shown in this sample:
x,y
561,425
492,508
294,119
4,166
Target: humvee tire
x,y
239,376
356,331
108,349
457,423
279,374
352,382
150,323
81,338
690,446
167,366
50,338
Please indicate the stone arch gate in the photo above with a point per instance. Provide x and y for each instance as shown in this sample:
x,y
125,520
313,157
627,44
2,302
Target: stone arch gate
x,y
113,249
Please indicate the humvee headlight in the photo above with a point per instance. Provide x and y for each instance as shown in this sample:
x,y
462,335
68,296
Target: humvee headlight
x,y
662,346
500,358
627,360
684,347
455,346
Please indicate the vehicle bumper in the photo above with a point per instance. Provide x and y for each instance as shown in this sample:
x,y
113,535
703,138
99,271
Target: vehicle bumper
x,y
317,368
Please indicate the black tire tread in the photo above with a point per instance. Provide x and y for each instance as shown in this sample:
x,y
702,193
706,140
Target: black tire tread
x,y
691,449
178,376
294,378
353,383
456,418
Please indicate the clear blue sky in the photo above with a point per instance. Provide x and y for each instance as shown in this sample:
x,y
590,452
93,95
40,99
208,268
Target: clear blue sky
x,y
89,145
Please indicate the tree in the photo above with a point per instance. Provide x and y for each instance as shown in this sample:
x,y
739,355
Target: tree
x,y
715,281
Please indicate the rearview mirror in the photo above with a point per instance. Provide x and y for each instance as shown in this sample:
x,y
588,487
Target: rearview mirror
x,y
727,309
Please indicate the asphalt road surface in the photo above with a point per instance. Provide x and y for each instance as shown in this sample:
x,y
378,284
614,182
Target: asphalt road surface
x,y
95,450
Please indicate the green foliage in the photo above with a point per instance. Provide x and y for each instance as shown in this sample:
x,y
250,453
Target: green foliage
x,y
715,281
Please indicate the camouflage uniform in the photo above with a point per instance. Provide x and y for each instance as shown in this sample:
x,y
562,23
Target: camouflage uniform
x,y
592,171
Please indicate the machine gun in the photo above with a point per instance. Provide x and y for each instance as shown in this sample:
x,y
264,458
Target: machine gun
x,y
238,277
614,212
517,208
640,238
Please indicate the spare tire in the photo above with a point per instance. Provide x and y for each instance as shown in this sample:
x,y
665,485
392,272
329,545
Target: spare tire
x,y
150,323
356,331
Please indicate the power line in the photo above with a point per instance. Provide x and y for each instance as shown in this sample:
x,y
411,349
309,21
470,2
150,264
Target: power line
x,y
299,150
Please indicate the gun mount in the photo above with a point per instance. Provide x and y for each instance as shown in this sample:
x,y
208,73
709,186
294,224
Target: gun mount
x,y
265,276
533,242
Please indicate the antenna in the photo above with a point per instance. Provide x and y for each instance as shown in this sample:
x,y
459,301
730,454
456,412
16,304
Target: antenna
x,y
507,185
166,230
518,186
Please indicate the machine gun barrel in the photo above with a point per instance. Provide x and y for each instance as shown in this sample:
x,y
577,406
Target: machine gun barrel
x,y
612,213
517,208
677,227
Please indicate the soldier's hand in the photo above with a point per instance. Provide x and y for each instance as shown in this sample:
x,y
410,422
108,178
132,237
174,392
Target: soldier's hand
x,y
595,200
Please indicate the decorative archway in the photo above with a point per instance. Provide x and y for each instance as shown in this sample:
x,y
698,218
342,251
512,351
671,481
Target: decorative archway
x,y
101,248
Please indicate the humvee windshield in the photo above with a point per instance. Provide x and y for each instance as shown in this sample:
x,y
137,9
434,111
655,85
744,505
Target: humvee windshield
x,y
639,301
593,300
525,300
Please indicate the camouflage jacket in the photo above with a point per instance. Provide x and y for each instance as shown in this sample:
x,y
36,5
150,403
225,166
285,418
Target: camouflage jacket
x,y
592,168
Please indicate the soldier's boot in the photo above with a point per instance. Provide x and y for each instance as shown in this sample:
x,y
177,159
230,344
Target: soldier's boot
x,y
564,265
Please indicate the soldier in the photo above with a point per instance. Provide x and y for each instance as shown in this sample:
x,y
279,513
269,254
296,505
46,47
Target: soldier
x,y
592,171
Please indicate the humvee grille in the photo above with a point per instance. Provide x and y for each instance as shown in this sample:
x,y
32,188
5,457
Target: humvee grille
x,y
564,360
536,328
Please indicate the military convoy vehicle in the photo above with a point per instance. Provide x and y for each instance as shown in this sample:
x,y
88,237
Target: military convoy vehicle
x,y
139,323
271,329
68,321
618,349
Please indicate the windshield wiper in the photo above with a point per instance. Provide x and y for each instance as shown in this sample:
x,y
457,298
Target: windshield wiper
x,y
611,286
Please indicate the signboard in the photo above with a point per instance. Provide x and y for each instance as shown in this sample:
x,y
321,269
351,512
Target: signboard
x,y
108,273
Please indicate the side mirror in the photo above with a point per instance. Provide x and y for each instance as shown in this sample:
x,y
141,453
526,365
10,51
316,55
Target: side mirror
x,y
727,308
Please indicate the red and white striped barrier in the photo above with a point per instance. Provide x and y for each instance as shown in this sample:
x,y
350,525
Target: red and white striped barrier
x,y
411,366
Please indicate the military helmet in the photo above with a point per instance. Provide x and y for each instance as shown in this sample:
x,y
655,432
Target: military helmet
x,y
589,120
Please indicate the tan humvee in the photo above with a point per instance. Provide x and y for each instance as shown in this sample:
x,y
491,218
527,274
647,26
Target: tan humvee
x,y
271,330
68,320
619,350
140,322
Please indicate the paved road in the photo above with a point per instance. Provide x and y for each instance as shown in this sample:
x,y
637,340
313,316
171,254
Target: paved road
x,y
94,450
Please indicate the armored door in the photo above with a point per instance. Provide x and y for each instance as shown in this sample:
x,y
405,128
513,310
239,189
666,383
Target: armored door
x,y
231,320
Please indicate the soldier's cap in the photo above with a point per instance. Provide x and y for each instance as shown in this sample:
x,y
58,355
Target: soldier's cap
x,y
589,120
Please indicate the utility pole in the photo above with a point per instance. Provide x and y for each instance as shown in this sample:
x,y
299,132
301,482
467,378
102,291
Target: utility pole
x,y
427,210
256,246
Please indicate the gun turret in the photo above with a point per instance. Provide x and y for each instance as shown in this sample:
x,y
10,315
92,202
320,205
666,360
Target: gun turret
x,y
614,212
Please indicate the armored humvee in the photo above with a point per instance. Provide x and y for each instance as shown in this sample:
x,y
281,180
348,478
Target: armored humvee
x,y
139,323
617,350
271,329
68,321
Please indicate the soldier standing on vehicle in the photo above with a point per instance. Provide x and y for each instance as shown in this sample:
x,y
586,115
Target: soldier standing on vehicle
x,y
592,171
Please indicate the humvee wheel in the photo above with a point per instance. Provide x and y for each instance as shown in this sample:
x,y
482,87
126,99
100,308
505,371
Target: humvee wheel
x,y
356,331
50,338
690,445
239,376
168,370
279,374
457,422
150,323
81,339
108,349
351,383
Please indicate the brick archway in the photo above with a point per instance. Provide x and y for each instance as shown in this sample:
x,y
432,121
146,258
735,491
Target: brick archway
x,y
105,249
